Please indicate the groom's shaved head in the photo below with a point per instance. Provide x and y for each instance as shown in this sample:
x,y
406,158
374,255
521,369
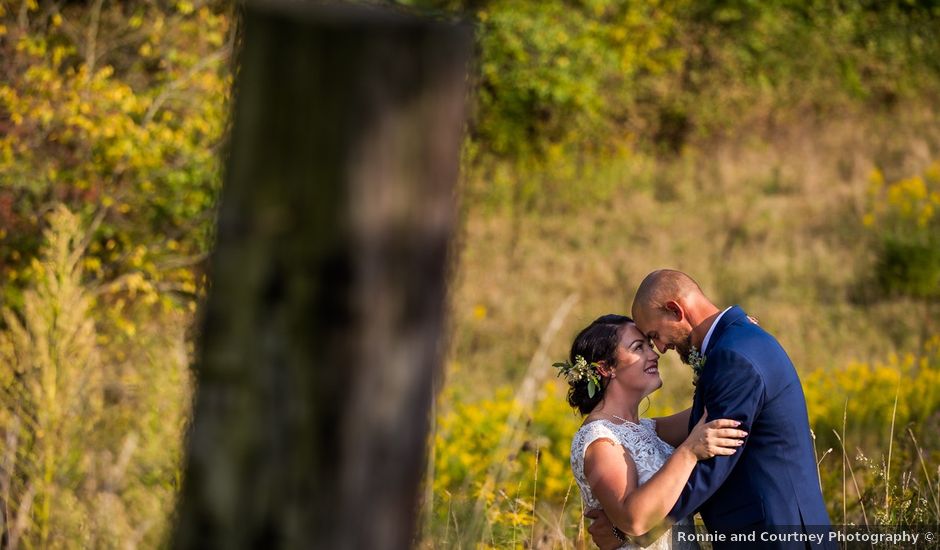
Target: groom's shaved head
x,y
660,287
668,306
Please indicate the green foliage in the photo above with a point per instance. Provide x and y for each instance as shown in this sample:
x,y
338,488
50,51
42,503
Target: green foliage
x,y
563,85
911,269
904,220
861,49
116,109
556,74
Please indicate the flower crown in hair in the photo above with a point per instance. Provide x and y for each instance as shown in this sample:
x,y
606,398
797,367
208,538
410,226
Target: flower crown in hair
x,y
579,371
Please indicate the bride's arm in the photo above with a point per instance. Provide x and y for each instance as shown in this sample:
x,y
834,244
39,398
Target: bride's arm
x,y
636,509
675,428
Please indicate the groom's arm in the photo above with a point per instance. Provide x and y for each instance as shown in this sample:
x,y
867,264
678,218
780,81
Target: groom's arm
x,y
736,391
674,429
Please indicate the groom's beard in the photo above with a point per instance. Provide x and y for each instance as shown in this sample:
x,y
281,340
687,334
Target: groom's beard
x,y
684,347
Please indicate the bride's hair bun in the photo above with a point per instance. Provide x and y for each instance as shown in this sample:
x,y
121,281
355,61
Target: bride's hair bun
x,y
596,342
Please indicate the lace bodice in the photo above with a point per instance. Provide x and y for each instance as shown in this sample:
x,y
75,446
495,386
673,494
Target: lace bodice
x,y
648,451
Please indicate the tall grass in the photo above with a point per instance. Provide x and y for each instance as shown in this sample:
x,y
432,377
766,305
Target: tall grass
x,y
91,418
528,508
51,381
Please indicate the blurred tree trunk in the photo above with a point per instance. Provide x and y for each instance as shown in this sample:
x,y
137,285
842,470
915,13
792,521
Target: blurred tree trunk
x,y
324,324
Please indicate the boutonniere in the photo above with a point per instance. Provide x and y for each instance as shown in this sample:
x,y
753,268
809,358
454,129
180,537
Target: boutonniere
x,y
697,361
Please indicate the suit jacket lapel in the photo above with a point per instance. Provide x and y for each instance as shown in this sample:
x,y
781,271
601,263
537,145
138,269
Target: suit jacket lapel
x,y
698,406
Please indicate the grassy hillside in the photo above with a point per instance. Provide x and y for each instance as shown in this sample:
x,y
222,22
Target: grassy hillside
x,y
770,220
777,219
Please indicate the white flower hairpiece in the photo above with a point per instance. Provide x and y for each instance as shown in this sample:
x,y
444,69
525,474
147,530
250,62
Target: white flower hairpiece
x,y
581,370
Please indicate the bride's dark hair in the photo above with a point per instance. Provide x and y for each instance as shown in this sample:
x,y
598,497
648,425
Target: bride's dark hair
x,y
596,342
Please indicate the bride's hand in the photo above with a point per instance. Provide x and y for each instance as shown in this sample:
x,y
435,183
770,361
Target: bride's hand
x,y
716,438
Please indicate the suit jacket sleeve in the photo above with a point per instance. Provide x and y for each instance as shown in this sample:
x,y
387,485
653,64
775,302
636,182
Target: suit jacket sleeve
x,y
736,391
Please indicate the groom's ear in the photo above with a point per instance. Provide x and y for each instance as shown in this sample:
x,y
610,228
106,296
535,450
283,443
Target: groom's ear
x,y
675,309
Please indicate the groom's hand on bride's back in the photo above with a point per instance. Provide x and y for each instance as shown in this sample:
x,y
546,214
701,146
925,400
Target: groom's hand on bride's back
x,y
602,530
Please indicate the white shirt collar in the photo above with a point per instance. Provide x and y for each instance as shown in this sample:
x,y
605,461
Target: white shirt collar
x,y
711,329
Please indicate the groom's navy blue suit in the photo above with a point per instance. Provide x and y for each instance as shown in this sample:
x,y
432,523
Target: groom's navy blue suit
x,y
771,481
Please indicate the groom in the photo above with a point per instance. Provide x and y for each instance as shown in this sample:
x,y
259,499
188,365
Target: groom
x,y
771,485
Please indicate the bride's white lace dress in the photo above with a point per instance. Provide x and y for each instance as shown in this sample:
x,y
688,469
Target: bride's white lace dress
x,y
649,453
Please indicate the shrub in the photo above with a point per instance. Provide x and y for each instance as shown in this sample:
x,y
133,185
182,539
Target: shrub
x,y
903,217
91,419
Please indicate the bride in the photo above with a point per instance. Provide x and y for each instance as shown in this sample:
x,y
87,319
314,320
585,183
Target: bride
x,y
635,469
